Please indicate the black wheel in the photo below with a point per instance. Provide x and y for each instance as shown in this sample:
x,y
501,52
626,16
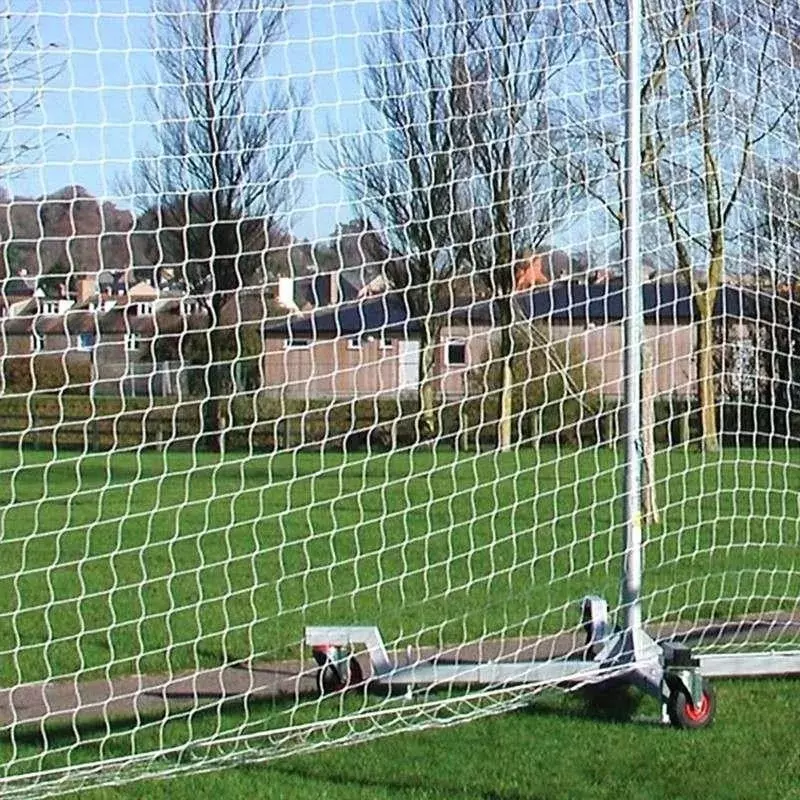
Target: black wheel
x,y
684,714
331,678
356,673
328,680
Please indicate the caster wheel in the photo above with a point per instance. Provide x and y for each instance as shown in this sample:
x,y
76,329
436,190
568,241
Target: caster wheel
x,y
684,714
333,678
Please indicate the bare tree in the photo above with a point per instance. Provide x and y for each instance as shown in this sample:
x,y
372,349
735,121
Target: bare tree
x,y
518,46
774,214
709,152
408,176
761,369
713,92
228,141
458,175
26,67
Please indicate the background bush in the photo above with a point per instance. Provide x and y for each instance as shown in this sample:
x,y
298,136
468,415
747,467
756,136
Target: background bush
x,y
549,405
46,372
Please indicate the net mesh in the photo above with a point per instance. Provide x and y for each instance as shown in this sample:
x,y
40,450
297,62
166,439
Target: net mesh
x,y
313,315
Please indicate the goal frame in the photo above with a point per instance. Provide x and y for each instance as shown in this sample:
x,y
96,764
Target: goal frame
x,y
623,653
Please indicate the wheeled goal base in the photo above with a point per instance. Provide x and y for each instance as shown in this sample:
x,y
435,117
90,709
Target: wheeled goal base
x,y
668,671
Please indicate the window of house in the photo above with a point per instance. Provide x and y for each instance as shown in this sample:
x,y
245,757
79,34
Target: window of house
x,y
85,341
386,343
456,353
143,309
50,307
354,343
293,343
191,306
131,342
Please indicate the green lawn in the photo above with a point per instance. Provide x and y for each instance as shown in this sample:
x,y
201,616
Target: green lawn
x,y
122,563
554,751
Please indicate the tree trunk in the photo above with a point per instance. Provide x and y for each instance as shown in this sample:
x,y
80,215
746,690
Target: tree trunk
x,y
427,385
504,438
686,423
506,406
705,371
215,419
462,437
219,389
649,500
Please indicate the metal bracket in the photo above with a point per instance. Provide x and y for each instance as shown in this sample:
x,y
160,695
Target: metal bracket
x,y
349,635
596,624
682,672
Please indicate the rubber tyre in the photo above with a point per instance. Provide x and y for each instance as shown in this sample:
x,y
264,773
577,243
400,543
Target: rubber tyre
x,y
356,673
683,714
329,680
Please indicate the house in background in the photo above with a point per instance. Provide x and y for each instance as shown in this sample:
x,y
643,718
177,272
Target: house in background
x,y
370,347
130,333
359,348
588,319
15,293
103,328
339,329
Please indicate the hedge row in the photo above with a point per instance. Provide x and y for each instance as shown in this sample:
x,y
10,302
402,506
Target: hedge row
x,y
46,372
263,423
60,413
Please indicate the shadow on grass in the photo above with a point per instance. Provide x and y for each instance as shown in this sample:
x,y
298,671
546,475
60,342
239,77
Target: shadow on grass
x,y
181,721
62,731
616,703
442,789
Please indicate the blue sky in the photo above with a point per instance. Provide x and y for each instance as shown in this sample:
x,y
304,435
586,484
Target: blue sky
x,y
93,114
94,117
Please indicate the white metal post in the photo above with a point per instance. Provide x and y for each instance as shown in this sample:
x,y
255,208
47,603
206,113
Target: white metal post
x,y
632,568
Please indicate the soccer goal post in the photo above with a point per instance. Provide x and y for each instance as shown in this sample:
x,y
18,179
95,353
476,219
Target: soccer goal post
x,y
373,367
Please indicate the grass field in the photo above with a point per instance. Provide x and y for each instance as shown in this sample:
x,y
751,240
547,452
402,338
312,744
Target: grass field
x,y
554,751
127,563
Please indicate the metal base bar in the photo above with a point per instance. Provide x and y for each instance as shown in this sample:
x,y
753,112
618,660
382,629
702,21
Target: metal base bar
x,y
346,636
630,656
632,653
491,673
737,665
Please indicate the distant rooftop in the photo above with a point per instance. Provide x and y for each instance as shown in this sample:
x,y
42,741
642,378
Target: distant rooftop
x,y
564,301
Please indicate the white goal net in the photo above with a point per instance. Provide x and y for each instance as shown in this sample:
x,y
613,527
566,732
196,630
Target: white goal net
x,y
315,316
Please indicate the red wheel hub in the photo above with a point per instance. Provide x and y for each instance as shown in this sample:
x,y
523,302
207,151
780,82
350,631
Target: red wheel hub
x,y
700,711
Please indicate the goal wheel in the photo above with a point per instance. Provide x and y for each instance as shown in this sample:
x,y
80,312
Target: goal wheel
x,y
685,714
339,677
